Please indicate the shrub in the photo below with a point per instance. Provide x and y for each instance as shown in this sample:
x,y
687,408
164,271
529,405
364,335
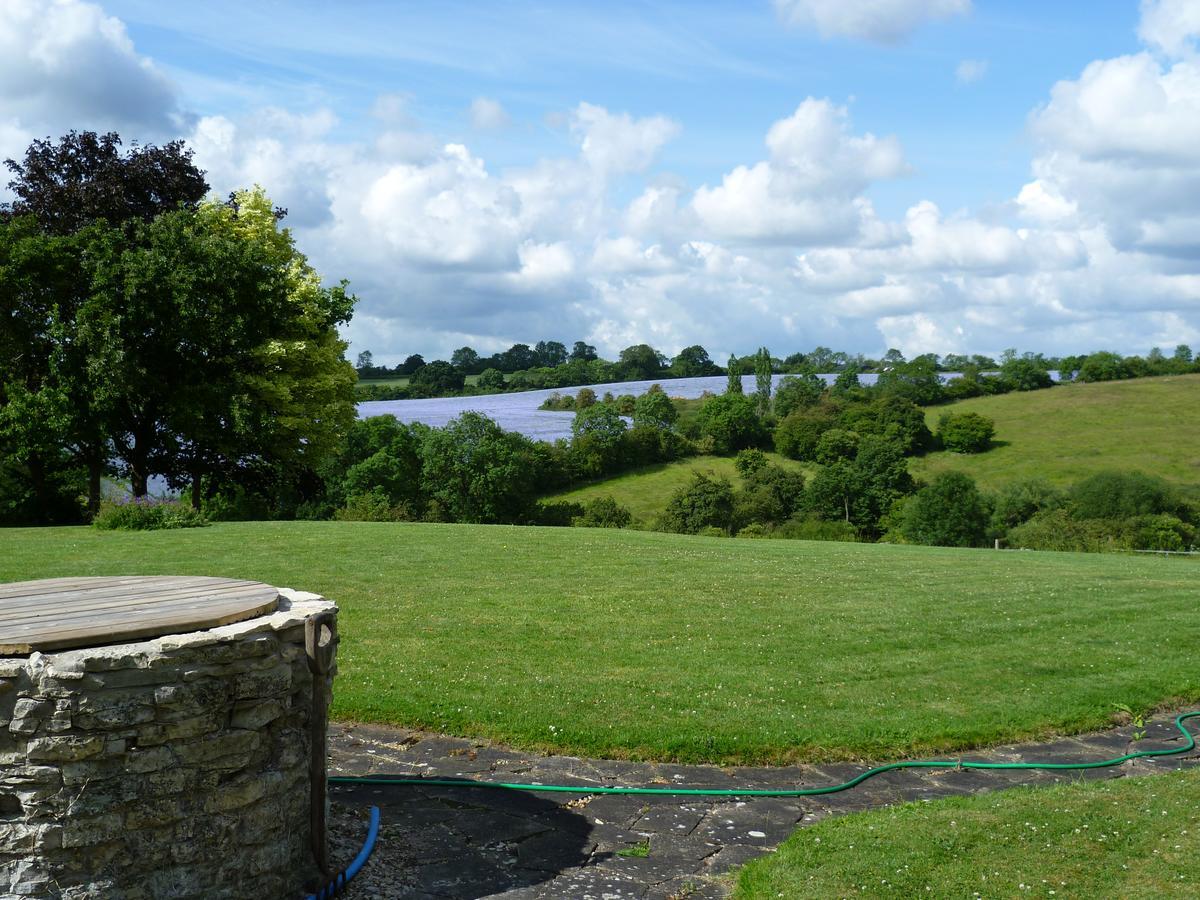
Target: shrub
x,y
949,512
584,398
732,421
559,514
815,530
437,377
146,514
965,432
754,530
559,403
1020,501
705,502
1122,495
603,512
795,393
747,462
1056,529
797,435
836,444
490,380
655,409
893,418
1160,532
373,506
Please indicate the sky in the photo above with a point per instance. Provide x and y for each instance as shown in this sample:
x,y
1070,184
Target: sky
x,y
947,176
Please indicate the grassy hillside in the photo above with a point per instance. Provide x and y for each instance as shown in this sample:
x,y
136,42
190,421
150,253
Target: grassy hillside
x,y
634,644
646,491
1074,430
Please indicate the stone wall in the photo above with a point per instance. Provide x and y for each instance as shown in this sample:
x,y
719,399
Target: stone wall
x,y
174,767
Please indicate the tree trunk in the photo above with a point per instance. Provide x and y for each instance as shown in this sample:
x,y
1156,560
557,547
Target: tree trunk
x,y
846,506
95,470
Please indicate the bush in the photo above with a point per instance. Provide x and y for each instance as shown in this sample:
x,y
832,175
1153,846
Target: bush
x,y
373,506
490,380
796,393
732,421
949,512
438,377
836,444
747,462
146,514
603,512
1122,495
797,435
965,432
559,514
892,418
584,398
1020,501
1056,529
1160,532
705,502
815,530
655,409
754,530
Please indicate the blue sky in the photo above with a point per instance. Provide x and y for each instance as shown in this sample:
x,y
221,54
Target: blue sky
x,y
945,175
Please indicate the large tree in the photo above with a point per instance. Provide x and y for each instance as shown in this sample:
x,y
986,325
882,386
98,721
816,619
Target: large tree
x,y
74,188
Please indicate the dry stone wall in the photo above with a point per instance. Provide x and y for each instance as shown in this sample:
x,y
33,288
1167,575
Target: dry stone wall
x,y
170,768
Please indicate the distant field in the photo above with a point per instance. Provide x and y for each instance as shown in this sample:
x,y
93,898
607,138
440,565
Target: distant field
x,y
646,645
403,382
1071,431
646,491
1134,837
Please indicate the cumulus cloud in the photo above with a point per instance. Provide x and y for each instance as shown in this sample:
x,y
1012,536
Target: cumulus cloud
x,y
808,190
619,143
882,21
1171,26
64,63
488,114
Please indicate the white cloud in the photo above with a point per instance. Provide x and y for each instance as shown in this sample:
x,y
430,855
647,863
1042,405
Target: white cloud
x,y
488,115
807,191
619,143
1171,26
882,21
65,64
970,71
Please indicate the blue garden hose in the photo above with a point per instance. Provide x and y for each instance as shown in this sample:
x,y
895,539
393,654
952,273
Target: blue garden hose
x,y
338,882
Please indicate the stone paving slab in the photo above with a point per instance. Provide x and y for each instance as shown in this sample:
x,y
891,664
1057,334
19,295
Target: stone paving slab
x,y
453,843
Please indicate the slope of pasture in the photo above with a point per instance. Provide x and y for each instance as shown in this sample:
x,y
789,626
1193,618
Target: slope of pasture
x,y
1074,430
646,491
646,645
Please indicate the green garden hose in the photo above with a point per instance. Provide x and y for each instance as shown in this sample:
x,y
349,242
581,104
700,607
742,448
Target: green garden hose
x,y
796,792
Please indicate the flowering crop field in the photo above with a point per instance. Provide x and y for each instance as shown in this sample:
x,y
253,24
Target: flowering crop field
x,y
655,646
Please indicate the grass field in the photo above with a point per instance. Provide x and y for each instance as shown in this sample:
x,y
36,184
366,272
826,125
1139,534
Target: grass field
x,y
646,491
646,645
1073,430
1137,837
402,381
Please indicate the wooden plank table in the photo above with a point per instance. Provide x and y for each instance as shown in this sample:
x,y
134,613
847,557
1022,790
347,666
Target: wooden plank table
x,y
61,613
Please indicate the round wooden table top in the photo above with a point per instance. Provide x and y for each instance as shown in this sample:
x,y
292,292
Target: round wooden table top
x,y
61,613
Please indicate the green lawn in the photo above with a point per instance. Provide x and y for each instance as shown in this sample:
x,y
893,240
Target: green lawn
x,y
647,645
1137,837
646,491
1070,431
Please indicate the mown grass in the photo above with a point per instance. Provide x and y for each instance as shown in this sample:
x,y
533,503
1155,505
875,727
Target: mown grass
x,y
1136,837
645,492
646,645
1071,431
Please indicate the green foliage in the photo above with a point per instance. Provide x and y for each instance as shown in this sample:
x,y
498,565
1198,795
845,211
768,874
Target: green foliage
x,y
762,380
770,495
437,378
705,502
654,409
373,506
1104,366
641,362
813,529
490,380
1057,529
733,384
797,392
835,445
146,514
747,462
598,439
478,472
1122,495
949,512
797,436
892,418
693,362
603,512
966,432
1019,501
584,398
1021,374
732,421
862,490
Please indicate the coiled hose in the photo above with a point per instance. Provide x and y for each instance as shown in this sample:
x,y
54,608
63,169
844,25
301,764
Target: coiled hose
x,y
342,878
